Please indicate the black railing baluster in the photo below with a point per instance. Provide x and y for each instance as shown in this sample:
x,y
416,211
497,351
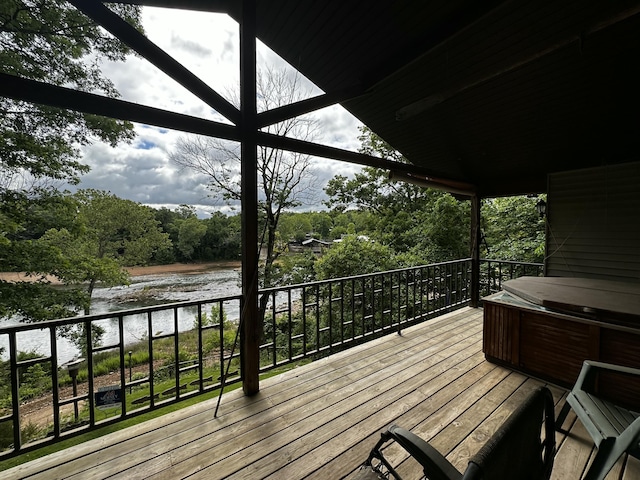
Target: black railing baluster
x,y
15,390
304,321
201,343
151,357
89,338
176,351
123,380
54,381
342,311
290,324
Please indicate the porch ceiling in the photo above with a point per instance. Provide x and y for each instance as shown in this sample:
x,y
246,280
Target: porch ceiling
x,y
500,93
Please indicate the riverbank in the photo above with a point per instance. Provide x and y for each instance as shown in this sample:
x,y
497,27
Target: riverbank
x,y
181,268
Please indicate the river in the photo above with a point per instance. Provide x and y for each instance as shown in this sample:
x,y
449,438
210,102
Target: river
x,y
143,291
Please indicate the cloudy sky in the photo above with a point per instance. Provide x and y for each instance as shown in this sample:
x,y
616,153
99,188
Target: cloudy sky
x,y
208,45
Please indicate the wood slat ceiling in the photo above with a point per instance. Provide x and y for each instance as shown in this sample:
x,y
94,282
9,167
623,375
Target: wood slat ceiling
x,y
526,88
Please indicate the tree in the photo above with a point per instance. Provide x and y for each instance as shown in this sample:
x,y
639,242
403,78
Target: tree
x,y
112,233
425,224
223,238
294,226
285,178
25,221
53,42
190,233
41,146
355,256
513,229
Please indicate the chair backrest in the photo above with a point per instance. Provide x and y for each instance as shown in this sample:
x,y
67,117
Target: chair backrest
x,y
516,450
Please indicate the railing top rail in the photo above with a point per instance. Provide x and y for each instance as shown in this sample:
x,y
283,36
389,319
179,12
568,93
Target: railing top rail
x,y
364,275
114,314
512,262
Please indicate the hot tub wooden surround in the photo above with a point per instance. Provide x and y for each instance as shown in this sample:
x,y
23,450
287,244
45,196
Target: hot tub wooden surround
x,y
547,326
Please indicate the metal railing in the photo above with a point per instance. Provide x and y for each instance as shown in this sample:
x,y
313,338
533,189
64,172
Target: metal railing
x,y
155,356
494,272
320,318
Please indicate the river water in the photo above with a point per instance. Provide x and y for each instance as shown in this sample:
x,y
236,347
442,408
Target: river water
x,y
143,291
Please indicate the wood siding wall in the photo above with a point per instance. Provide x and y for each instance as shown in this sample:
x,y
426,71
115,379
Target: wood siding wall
x,y
593,228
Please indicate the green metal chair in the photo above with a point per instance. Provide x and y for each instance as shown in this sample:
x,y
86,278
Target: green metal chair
x,y
516,450
614,429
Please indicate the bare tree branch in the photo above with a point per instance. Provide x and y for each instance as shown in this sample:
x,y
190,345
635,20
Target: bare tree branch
x,y
286,178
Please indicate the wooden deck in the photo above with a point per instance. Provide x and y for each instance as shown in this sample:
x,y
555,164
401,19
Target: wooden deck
x,y
319,421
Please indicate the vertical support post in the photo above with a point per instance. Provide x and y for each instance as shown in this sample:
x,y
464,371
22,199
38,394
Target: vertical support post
x,y
250,318
475,250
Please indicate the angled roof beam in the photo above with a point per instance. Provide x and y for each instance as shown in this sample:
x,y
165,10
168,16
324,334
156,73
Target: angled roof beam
x,y
155,55
45,94
296,109
317,150
214,6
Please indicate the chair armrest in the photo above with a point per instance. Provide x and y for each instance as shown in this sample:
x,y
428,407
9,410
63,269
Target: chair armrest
x,y
590,367
435,466
610,366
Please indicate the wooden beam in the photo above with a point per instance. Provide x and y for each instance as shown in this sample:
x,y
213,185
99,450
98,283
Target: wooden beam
x,y
317,150
251,320
156,56
215,6
42,93
296,109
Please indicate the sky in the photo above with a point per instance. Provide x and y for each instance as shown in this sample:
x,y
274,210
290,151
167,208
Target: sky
x,y
208,45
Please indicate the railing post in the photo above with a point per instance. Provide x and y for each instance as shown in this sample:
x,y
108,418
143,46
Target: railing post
x,y
475,250
250,319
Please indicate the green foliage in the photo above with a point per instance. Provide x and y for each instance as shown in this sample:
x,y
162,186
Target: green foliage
x,y
354,256
421,224
193,239
120,229
214,317
212,342
294,226
190,233
513,230
34,382
447,227
296,268
222,241
98,234
53,42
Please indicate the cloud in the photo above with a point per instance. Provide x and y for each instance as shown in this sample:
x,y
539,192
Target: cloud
x,y
208,45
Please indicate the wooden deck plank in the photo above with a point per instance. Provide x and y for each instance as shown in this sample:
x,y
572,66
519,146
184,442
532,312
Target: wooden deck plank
x,y
367,418
433,414
320,420
435,393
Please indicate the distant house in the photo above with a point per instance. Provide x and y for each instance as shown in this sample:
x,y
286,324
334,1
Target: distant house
x,y
315,245
295,247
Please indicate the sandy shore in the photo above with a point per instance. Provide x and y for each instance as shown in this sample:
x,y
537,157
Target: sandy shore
x,y
184,268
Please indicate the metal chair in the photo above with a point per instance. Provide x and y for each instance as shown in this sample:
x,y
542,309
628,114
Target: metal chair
x,y
516,450
613,428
